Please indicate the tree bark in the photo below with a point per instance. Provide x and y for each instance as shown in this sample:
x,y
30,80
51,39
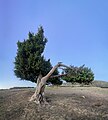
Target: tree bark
x,y
38,96
33,97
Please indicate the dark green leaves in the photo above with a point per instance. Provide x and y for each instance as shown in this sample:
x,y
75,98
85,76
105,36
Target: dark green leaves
x,y
80,74
29,60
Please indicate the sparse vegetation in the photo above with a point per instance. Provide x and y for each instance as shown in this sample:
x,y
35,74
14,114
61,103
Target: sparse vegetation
x,y
65,103
101,84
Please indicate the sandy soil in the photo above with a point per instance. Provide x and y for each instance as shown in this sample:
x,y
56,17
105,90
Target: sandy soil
x,y
65,103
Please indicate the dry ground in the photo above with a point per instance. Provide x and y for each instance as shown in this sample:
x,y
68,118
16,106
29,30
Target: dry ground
x,y
65,103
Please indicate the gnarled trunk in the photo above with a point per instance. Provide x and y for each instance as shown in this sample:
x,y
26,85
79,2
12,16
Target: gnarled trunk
x,y
34,96
38,96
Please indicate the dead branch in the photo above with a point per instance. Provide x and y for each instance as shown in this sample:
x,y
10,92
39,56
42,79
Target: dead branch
x,y
54,76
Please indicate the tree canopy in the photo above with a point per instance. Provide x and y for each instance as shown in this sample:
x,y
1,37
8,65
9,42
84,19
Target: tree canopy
x,y
30,61
80,74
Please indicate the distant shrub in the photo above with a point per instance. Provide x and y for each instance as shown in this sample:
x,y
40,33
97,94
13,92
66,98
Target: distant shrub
x,y
20,87
101,84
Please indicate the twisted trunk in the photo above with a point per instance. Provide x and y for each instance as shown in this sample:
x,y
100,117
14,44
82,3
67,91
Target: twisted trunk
x,y
34,96
38,96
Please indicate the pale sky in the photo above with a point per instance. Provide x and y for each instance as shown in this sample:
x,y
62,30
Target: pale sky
x,y
77,33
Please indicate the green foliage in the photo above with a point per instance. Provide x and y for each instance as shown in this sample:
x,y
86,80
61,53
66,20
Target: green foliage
x,y
29,61
80,74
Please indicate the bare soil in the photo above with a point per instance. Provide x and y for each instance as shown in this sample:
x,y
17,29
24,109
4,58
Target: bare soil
x,y
64,103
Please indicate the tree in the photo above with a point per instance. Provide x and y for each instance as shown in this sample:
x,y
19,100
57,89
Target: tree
x,y
31,65
30,62
80,74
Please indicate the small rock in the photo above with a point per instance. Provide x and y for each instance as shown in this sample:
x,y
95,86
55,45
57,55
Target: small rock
x,y
83,97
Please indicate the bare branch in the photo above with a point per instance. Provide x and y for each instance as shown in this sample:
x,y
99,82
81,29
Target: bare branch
x,y
64,65
61,68
54,76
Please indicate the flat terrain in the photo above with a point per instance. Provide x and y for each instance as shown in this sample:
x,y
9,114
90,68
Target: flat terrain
x,y
65,103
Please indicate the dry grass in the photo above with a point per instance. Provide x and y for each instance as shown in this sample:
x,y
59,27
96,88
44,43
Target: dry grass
x,y
65,103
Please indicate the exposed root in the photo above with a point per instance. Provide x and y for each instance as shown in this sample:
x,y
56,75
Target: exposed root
x,y
38,99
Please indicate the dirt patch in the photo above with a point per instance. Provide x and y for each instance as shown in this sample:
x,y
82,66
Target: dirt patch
x,y
65,103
